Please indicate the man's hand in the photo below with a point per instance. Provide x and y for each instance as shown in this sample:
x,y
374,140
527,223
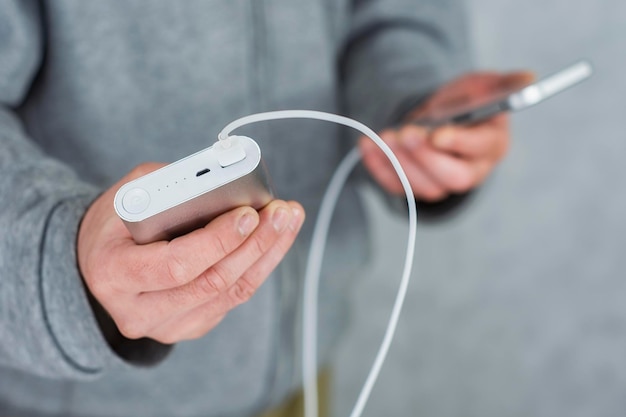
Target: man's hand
x,y
449,159
177,290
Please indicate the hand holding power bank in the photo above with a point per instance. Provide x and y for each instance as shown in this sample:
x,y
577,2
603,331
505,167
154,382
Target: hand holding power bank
x,y
190,192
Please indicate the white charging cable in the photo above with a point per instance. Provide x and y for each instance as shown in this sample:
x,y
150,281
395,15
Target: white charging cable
x,y
318,243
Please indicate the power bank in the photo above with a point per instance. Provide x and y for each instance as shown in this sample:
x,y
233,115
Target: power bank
x,y
189,193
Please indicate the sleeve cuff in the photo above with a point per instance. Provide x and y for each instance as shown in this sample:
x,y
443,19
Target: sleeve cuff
x,y
139,352
69,316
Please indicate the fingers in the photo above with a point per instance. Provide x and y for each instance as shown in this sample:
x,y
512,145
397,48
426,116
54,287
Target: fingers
x,y
163,265
456,158
200,319
153,290
235,278
487,140
452,174
256,274
379,166
463,160
192,325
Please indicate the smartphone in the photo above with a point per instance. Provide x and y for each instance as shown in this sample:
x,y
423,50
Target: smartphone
x,y
513,96
189,193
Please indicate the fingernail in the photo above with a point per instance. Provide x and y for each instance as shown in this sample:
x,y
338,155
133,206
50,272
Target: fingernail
x,y
246,225
296,220
280,219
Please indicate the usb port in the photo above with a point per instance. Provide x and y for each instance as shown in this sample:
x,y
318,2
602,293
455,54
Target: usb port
x,y
202,172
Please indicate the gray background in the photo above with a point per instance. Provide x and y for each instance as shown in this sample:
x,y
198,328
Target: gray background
x,y
518,306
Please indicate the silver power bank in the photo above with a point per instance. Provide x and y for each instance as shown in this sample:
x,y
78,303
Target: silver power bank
x,y
189,193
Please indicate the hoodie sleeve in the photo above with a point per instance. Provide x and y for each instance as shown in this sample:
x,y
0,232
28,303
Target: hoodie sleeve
x,y
396,53
47,325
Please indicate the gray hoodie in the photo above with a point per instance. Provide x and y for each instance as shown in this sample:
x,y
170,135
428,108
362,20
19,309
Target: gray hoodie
x,y
89,89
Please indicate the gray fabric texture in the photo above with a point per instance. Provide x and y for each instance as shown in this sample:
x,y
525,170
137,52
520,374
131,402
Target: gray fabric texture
x,y
90,89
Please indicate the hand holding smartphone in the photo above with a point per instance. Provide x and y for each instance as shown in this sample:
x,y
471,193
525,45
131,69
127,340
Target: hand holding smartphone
x,y
516,93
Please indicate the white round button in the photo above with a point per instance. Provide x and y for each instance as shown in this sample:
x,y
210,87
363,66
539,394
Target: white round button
x,y
136,200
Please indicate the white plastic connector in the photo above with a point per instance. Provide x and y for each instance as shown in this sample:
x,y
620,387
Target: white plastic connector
x,y
229,151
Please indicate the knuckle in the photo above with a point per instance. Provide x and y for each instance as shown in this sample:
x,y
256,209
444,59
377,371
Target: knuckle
x,y
212,281
462,182
221,246
176,270
199,331
136,271
197,334
98,287
109,281
168,338
130,328
258,245
281,247
433,195
193,328
203,329
241,291
387,135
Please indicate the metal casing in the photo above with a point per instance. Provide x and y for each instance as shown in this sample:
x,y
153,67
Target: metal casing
x,y
174,200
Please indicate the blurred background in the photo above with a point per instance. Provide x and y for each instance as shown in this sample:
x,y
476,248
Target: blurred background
x,y
517,306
